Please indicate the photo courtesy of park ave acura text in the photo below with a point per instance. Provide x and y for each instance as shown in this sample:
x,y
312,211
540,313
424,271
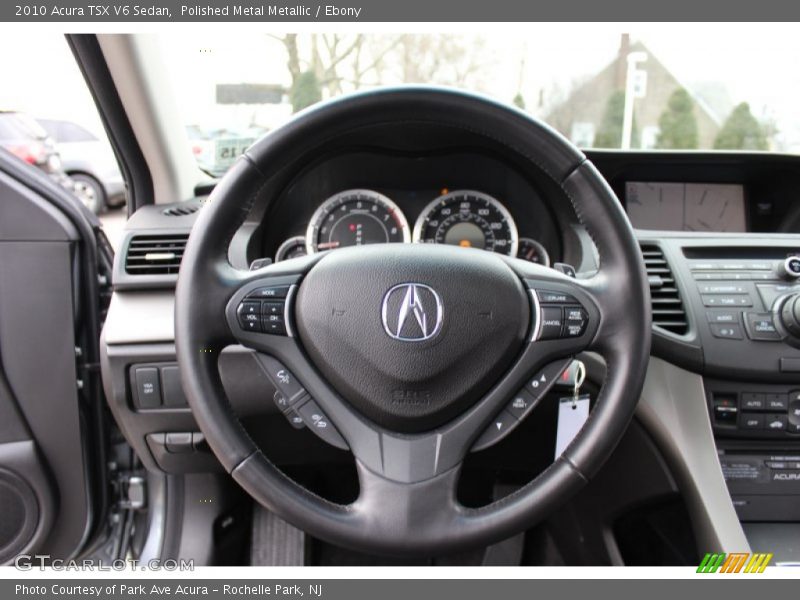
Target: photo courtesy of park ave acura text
x,y
344,300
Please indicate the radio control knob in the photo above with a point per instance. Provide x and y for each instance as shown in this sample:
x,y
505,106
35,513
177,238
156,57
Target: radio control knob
x,y
789,314
790,268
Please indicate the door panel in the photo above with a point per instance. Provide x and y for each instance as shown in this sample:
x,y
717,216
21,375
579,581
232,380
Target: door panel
x,y
48,448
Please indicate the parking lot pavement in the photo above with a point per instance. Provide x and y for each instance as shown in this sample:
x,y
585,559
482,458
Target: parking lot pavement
x,y
114,224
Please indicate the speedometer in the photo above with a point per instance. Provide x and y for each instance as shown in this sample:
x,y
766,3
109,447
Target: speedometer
x,y
469,219
355,218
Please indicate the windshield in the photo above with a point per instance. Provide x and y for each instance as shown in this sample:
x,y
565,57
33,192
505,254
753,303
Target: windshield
x,y
733,90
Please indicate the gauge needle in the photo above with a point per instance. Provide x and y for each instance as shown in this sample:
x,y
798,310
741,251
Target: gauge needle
x,y
328,245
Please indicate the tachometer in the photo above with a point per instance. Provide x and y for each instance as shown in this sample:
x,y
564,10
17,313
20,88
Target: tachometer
x,y
533,251
291,248
355,218
469,219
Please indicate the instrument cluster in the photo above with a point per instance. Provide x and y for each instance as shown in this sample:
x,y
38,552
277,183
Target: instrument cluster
x,y
464,217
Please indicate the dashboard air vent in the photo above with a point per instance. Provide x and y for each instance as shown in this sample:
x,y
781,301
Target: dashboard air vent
x,y
155,254
181,211
668,311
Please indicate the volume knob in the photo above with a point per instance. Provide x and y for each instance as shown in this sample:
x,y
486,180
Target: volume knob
x,y
790,268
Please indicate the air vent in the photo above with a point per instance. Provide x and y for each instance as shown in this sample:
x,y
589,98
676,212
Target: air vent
x,y
181,211
668,311
155,254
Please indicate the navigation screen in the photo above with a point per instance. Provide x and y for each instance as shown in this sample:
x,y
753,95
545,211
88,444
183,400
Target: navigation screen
x,y
686,206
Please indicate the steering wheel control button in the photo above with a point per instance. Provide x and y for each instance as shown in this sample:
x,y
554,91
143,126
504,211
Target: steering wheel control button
x,y
285,382
550,297
575,319
760,326
148,387
318,422
552,323
545,378
522,404
730,332
499,428
295,420
269,309
270,292
249,314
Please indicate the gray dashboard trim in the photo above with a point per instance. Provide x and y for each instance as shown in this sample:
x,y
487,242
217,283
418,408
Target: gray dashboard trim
x,y
673,409
140,318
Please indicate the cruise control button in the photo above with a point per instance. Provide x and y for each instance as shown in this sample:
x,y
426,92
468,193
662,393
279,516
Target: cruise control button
x,y
318,422
551,297
731,332
496,431
284,381
575,320
552,321
273,291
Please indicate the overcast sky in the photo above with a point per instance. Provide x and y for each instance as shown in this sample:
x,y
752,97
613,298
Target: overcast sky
x,y
754,63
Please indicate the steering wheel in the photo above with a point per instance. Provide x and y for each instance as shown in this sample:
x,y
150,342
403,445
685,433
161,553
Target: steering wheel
x,y
409,355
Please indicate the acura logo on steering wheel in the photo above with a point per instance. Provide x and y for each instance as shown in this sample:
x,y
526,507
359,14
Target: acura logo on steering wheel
x,y
412,312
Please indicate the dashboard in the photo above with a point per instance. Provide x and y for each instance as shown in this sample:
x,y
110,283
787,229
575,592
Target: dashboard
x,y
718,233
467,199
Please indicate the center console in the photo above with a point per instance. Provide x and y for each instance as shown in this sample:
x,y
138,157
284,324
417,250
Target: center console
x,y
741,307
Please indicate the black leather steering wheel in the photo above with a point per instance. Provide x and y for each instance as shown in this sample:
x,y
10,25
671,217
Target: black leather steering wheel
x,y
410,409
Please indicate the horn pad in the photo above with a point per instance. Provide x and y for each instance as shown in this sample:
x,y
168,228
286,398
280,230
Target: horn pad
x,y
412,335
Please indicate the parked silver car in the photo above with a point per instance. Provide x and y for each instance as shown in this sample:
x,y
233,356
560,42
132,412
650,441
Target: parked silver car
x,y
89,161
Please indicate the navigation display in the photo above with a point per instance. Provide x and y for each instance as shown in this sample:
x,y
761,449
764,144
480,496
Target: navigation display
x,y
686,206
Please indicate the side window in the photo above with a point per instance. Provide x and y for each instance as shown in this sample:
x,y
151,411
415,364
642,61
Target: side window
x,y
48,119
71,132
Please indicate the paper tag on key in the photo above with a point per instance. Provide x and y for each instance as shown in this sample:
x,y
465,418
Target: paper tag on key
x,y
572,412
